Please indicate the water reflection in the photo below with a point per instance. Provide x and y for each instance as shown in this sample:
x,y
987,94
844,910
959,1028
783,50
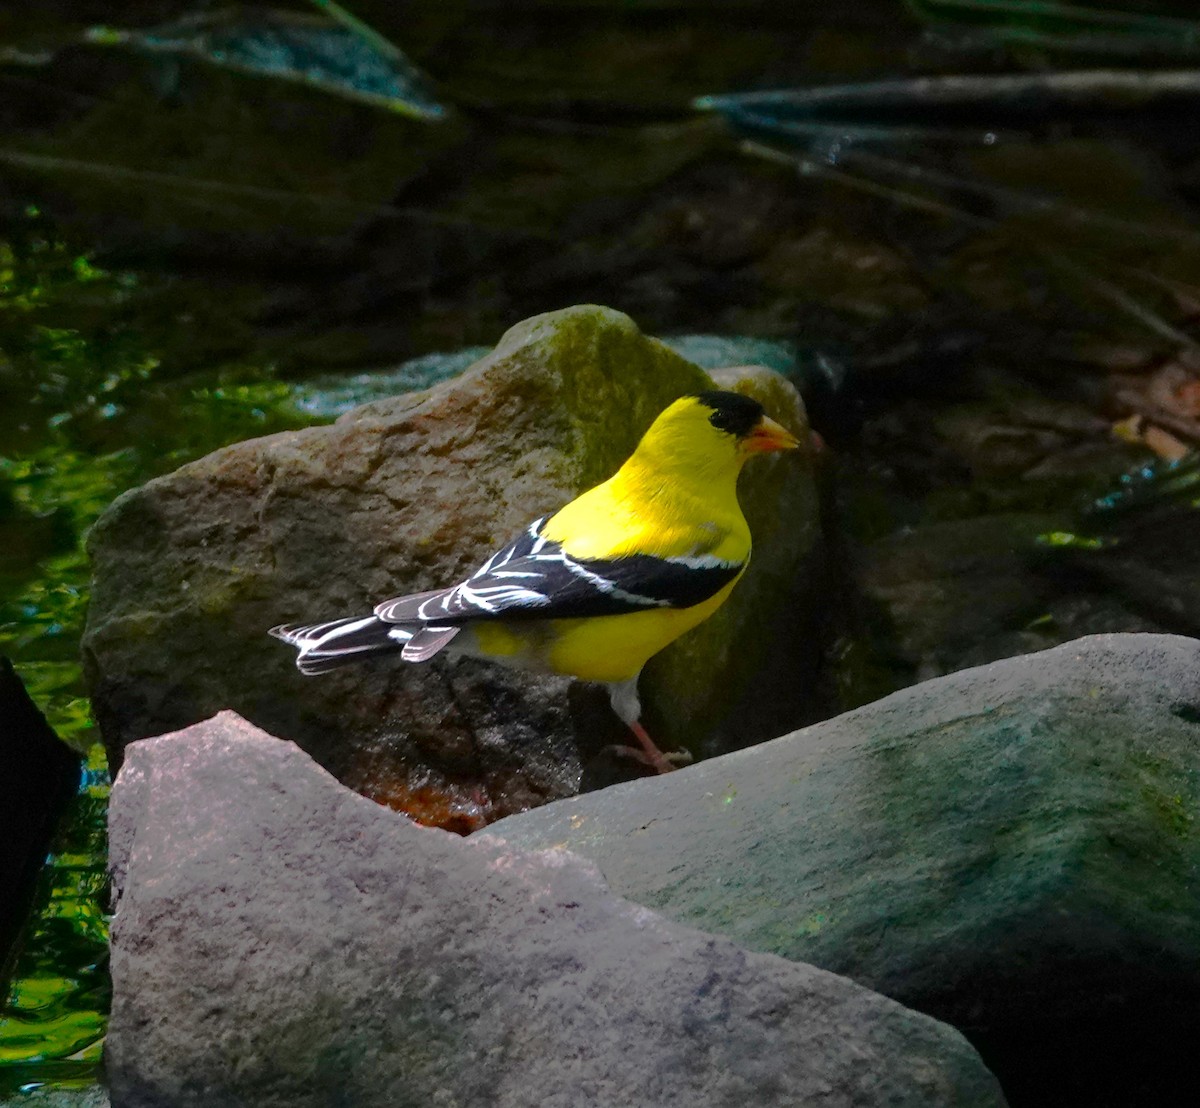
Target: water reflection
x,y
86,411
53,1018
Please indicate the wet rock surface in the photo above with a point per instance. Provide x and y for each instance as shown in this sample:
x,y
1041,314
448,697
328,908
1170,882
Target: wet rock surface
x,y
412,493
279,940
58,1098
1012,848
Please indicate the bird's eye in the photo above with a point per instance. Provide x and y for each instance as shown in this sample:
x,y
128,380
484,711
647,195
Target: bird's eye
x,y
732,413
723,422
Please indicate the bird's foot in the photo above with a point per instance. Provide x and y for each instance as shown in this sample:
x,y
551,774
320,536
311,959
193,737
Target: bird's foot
x,y
665,762
650,755
677,759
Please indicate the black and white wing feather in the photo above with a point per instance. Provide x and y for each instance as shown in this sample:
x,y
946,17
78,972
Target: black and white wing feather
x,y
534,578
531,578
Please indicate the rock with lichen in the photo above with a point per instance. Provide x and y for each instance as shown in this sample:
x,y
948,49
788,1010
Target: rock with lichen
x,y
411,493
279,941
1013,849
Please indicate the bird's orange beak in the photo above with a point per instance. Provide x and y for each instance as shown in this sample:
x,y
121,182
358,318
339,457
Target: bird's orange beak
x,y
769,436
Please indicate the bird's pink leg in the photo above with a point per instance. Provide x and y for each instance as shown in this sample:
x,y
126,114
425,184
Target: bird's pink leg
x,y
651,755
624,697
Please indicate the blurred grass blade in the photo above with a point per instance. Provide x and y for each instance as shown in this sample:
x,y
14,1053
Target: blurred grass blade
x,y
974,106
1068,27
382,46
1152,486
54,166
1048,15
339,55
1007,199
813,166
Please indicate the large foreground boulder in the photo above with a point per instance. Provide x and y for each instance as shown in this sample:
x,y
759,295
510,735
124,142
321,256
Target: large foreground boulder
x,y
51,1097
412,493
281,942
1014,849
48,1097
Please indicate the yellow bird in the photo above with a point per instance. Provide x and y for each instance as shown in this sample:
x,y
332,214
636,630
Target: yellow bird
x,y
602,585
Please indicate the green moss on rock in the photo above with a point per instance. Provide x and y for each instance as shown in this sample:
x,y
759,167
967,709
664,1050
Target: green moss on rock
x,y
411,493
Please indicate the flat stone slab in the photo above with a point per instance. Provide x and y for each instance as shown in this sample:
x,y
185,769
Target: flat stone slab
x,y
47,1097
282,941
1014,849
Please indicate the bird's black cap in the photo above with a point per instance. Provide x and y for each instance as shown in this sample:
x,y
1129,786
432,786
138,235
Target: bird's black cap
x,y
731,411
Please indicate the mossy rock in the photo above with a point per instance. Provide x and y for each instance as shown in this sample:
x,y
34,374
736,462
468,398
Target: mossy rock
x,y
1012,849
411,493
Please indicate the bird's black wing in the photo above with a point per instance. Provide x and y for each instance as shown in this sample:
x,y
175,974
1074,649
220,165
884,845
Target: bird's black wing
x,y
534,578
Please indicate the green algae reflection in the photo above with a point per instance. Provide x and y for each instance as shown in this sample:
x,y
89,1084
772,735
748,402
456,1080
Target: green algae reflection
x,y
86,411
52,1023
90,406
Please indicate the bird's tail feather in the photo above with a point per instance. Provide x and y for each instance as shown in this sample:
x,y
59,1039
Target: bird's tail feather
x,y
325,646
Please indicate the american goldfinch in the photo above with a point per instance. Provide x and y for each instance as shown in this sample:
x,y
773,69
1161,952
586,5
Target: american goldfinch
x,y
602,585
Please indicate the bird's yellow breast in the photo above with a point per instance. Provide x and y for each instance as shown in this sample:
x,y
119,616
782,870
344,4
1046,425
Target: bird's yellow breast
x,y
592,648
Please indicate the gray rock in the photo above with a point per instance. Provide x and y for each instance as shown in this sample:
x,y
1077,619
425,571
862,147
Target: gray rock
x,y
47,1097
1014,849
281,941
952,590
411,493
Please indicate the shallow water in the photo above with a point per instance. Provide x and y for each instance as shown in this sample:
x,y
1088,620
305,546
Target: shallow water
x,y
92,410
87,412
52,1022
